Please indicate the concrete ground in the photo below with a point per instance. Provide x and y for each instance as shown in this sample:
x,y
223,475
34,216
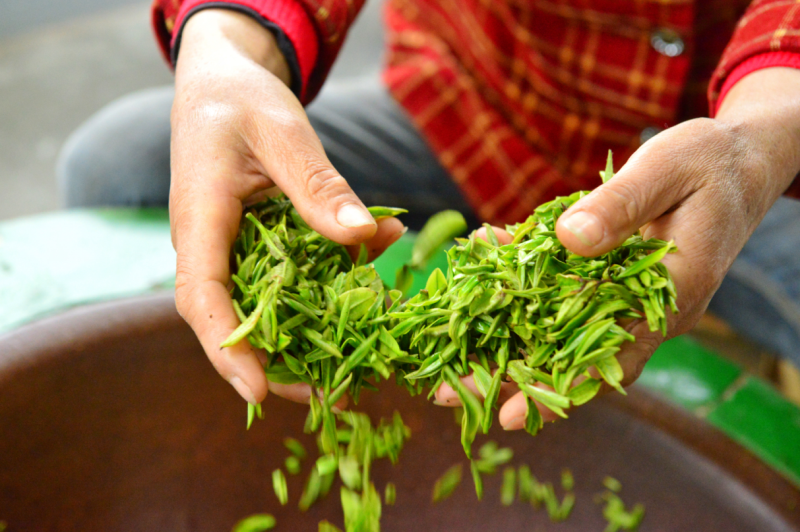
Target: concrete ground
x,y
62,60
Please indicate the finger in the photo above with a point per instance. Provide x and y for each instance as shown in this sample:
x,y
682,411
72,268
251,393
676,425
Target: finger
x,y
293,157
389,231
301,393
447,396
650,183
298,393
503,236
205,223
705,234
633,356
515,410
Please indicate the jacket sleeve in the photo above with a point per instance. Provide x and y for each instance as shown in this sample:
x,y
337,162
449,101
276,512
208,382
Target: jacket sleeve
x,y
768,35
310,33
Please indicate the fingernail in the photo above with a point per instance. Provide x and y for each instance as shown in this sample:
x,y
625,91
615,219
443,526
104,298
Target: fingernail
x,y
586,228
516,423
352,215
441,403
243,390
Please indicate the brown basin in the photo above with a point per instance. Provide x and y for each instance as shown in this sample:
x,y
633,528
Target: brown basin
x,y
111,419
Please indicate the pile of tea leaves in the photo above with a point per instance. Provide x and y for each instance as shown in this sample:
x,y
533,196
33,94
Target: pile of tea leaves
x,y
534,313
317,314
528,311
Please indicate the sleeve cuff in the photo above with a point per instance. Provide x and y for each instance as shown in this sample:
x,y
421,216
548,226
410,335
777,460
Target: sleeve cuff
x,y
286,19
757,62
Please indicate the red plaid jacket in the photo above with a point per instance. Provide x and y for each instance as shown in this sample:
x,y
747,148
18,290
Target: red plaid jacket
x,y
522,99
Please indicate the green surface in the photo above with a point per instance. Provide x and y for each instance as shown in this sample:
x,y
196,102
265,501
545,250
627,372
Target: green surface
x,y
757,416
51,262
746,408
400,253
688,374
55,261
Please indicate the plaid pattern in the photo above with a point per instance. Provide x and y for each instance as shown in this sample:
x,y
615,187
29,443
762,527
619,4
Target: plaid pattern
x,y
316,28
521,99
768,26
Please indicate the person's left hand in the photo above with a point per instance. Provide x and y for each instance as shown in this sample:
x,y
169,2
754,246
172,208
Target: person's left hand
x,y
706,184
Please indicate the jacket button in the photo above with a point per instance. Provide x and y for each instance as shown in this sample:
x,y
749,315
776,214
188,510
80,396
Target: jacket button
x,y
667,42
648,133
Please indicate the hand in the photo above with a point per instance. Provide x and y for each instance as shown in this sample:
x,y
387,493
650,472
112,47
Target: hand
x,y
705,184
237,131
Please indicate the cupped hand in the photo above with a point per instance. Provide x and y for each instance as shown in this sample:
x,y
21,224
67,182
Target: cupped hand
x,y
706,184
237,132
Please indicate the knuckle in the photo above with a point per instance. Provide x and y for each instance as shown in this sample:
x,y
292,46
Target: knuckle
x,y
324,182
277,123
206,114
185,290
624,197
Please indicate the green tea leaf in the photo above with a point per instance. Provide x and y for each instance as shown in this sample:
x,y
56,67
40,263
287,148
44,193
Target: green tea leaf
x,y
611,372
491,400
379,213
247,326
609,171
350,472
584,392
612,484
447,483
483,380
311,490
437,283
473,410
327,464
254,523
567,480
404,279
390,495
477,479
316,338
648,261
526,484
295,447
438,230
292,465
251,413
279,485
509,488
325,526
550,399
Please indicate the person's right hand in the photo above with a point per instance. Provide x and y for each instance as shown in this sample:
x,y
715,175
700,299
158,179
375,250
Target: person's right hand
x,y
237,131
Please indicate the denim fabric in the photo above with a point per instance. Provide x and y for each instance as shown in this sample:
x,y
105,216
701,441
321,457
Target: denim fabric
x,y
121,157
760,296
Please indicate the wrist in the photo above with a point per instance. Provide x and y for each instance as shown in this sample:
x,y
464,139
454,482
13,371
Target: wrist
x,y
222,34
764,106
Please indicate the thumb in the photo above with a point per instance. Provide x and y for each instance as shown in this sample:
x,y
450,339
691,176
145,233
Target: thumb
x,y
295,161
646,187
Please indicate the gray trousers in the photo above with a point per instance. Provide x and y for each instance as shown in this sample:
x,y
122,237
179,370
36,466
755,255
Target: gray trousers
x,y
120,156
